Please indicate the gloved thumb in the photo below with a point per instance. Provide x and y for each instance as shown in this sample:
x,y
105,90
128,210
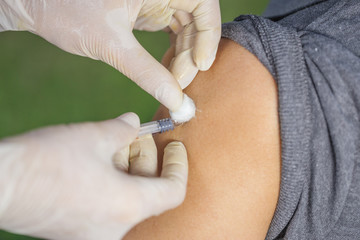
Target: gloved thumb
x,y
168,191
115,134
130,58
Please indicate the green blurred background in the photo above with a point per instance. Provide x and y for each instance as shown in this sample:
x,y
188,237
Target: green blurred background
x,y
42,85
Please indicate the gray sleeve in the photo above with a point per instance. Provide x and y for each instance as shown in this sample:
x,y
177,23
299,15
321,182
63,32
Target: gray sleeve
x,y
317,70
277,8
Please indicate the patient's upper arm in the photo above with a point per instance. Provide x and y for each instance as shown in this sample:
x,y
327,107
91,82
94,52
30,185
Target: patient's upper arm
x,y
234,154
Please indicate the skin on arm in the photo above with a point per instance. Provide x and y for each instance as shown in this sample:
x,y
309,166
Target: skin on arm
x,y
233,147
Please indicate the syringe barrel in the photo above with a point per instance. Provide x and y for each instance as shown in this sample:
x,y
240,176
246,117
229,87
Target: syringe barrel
x,y
161,126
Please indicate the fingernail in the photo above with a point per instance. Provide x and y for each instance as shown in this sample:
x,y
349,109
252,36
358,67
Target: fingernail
x,y
187,78
176,144
131,119
206,63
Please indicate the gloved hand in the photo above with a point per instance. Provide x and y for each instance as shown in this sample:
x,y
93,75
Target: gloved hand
x,y
60,182
102,29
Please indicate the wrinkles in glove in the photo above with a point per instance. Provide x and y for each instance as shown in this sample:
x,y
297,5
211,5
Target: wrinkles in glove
x,y
87,181
102,30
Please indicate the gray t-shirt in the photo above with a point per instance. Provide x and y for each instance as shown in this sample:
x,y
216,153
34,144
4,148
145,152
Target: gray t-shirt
x,y
277,8
314,55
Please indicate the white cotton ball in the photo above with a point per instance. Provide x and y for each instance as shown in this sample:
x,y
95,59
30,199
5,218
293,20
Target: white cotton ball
x,y
185,112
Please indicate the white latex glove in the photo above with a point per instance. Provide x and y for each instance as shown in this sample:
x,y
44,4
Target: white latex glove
x,y
60,182
102,29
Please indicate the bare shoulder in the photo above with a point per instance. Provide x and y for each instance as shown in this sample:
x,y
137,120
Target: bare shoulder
x,y
234,154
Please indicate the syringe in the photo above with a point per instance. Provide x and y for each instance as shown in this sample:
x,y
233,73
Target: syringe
x,y
158,126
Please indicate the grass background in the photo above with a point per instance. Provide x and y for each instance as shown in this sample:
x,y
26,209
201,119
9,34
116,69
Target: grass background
x,y
42,85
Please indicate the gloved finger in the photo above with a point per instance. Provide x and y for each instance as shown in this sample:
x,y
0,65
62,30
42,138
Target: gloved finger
x,y
121,159
137,64
154,15
182,66
184,18
143,157
207,19
175,26
172,38
186,39
170,53
115,134
168,56
168,191
179,20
